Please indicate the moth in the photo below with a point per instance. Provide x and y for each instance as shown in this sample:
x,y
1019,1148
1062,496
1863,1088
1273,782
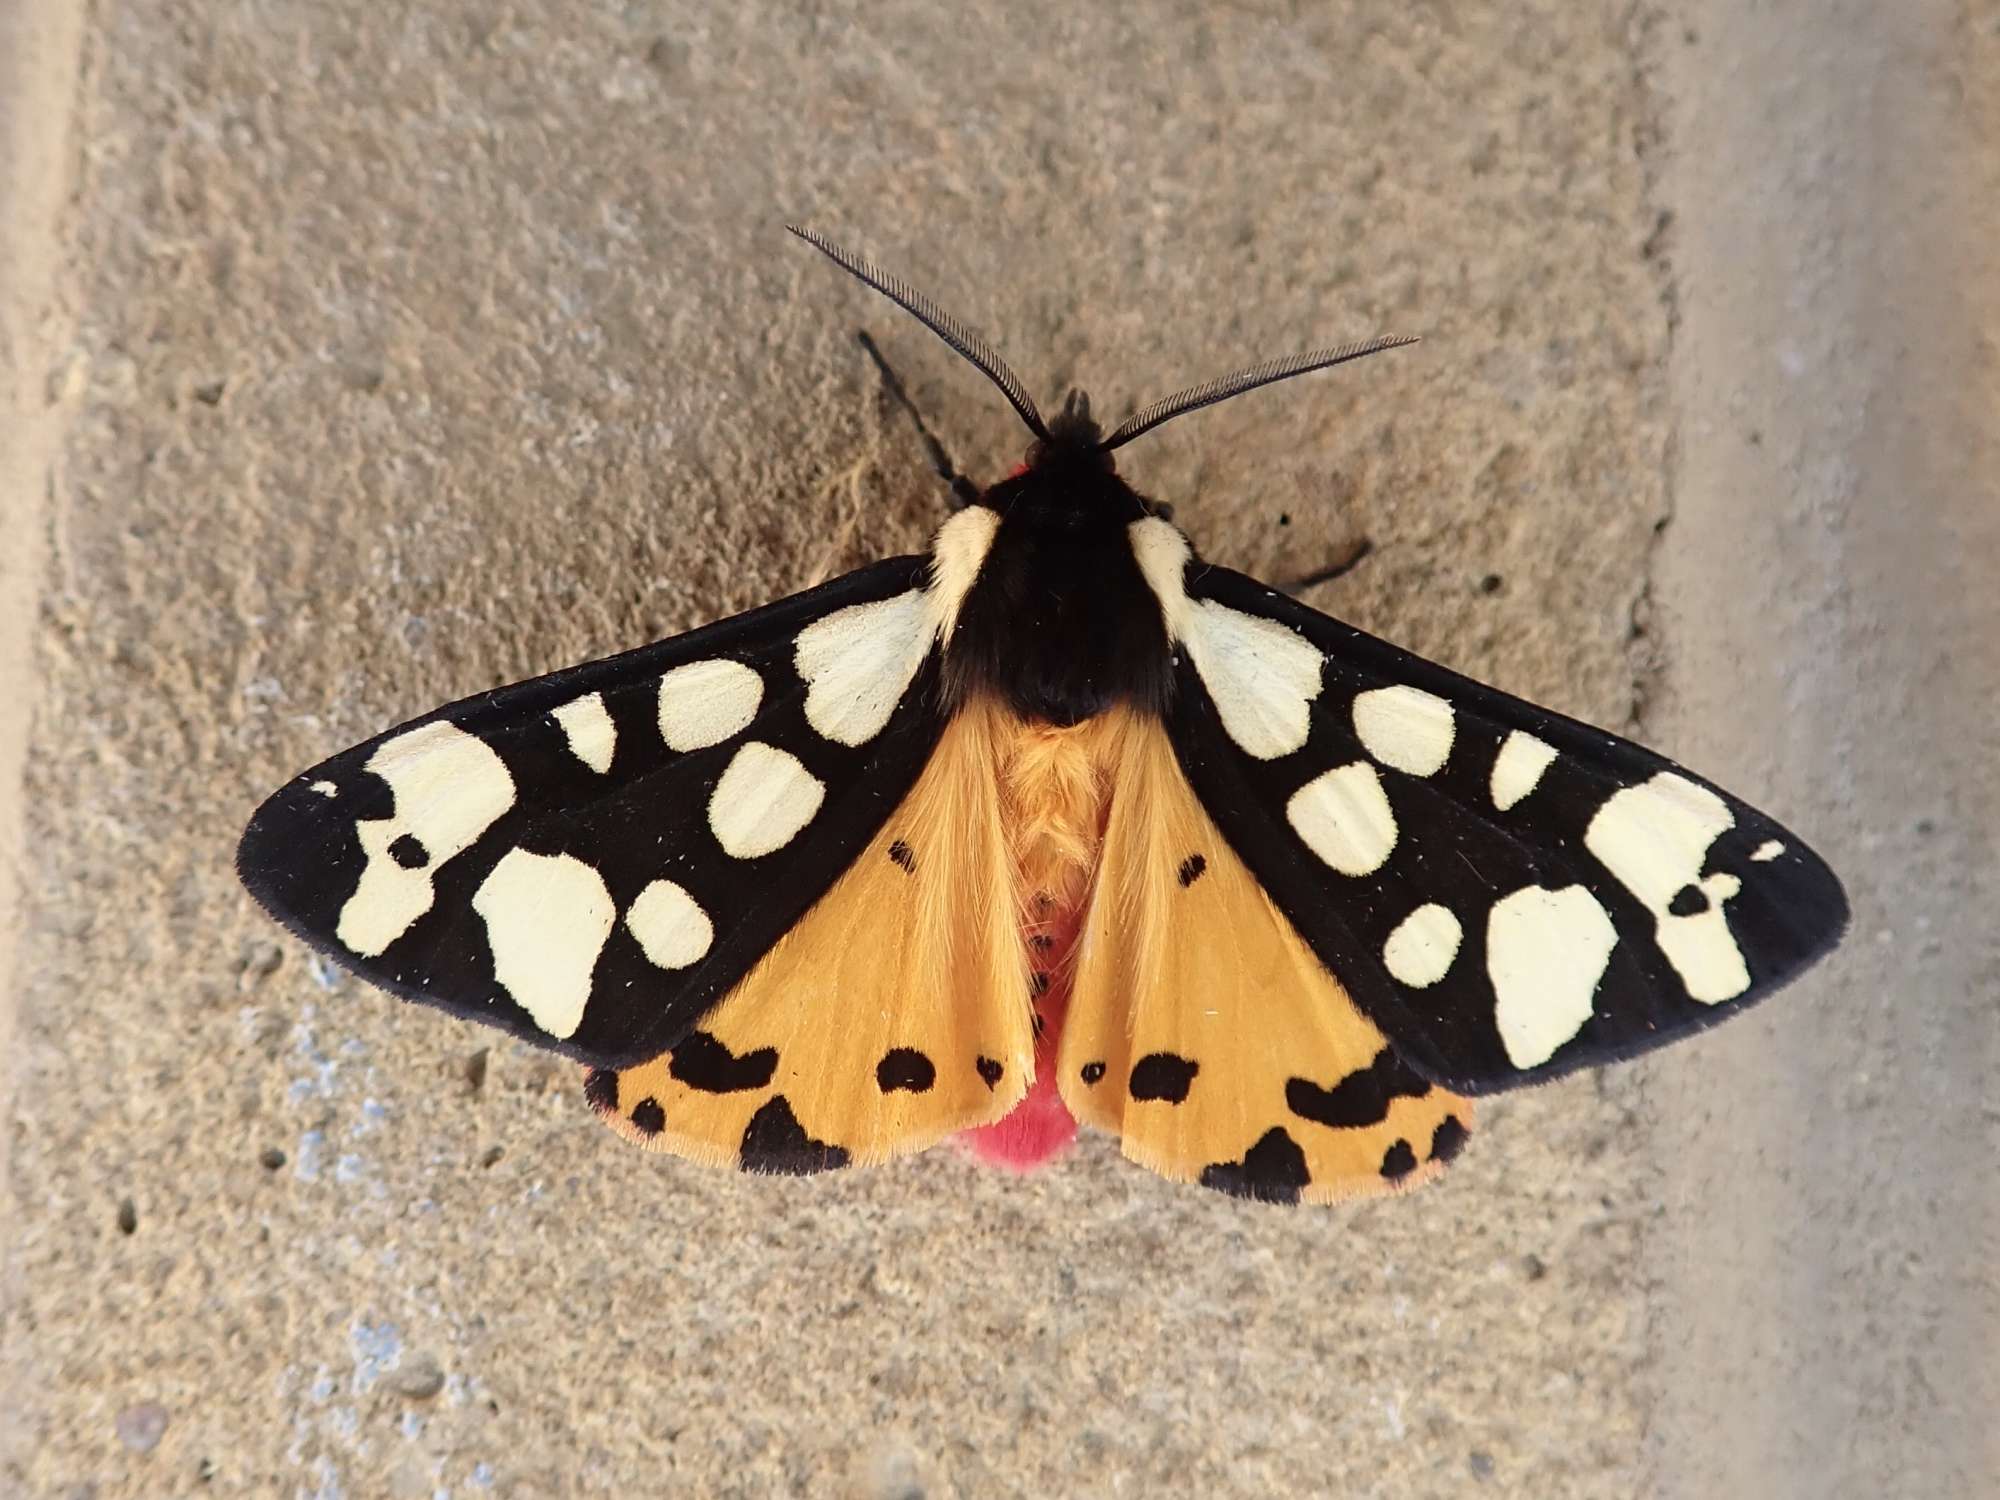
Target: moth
x,y
1055,822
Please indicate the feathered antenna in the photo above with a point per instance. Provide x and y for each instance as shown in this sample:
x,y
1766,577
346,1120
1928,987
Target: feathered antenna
x,y
1210,392
969,345
986,359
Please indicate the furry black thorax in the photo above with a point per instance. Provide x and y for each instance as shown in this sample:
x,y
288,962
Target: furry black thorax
x,y
1060,624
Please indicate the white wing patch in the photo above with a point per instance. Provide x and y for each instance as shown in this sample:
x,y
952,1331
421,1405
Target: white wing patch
x,y
958,552
547,916
764,798
325,789
670,925
1405,727
705,702
1654,838
1263,677
1767,851
1343,815
449,788
858,662
1421,949
1545,952
1518,768
586,724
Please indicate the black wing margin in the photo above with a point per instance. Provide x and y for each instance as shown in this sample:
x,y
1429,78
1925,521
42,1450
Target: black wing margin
x,y
535,838
1507,893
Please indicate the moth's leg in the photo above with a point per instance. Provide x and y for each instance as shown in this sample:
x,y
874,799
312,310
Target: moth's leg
x,y
963,491
1332,571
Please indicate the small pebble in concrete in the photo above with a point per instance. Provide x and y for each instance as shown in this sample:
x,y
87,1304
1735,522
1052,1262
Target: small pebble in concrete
x,y
419,1377
141,1427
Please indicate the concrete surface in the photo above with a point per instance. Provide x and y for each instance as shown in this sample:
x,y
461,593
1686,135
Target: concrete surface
x,y
396,351
1826,1312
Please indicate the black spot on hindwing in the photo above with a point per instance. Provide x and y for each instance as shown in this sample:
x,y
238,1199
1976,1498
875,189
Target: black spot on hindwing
x,y
905,1068
1399,1161
600,1090
1163,1075
900,853
647,1116
1361,1098
1448,1139
1272,1171
408,851
776,1142
1192,869
1090,1072
991,1071
701,1062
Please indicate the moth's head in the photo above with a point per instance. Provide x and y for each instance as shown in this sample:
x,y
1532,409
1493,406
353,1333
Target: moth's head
x,y
1068,479
1074,439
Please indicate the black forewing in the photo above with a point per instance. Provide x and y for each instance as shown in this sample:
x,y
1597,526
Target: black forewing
x,y
1456,848
645,819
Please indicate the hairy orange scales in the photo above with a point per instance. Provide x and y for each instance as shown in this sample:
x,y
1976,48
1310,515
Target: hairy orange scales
x,y
1055,789
1199,1028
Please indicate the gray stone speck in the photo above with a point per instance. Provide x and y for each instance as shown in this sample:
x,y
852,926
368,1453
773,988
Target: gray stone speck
x,y
419,1377
141,1427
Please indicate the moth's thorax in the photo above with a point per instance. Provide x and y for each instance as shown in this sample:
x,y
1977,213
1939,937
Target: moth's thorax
x,y
1059,623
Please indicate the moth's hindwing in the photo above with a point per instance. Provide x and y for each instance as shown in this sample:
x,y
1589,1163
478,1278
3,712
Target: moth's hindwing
x,y
894,1013
592,859
1507,894
1209,1038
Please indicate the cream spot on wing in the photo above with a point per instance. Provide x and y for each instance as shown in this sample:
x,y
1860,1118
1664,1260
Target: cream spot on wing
x,y
1545,952
1162,554
1405,727
449,788
1517,769
547,916
859,661
957,553
1655,837
587,725
325,788
1343,815
670,925
764,798
705,702
1767,851
1263,677
1420,950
